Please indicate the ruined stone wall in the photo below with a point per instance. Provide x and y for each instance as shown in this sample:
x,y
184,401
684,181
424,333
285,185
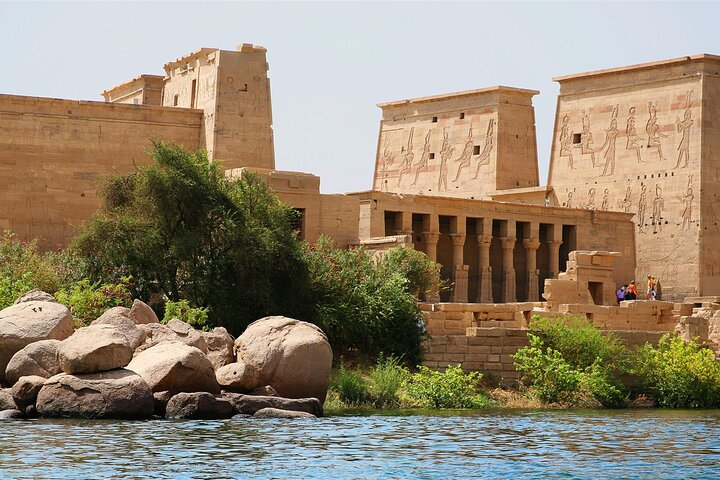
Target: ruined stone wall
x,y
633,140
53,152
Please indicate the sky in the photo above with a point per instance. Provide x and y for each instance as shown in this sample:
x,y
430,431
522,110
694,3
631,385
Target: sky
x,y
331,63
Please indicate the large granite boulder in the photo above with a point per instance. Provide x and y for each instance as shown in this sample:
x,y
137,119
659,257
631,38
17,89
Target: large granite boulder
x,y
38,358
175,367
198,405
8,414
293,357
93,349
118,318
7,402
141,313
249,404
219,347
35,295
278,413
175,331
238,377
28,322
25,390
114,394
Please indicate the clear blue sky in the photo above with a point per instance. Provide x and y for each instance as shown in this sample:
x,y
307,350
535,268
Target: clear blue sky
x,y
331,63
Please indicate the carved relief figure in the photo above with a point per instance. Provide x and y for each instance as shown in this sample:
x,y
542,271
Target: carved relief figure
x,y
445,153
591,199
627,201
569,201
566,141
408,157
606,200
609,145
658,207
687,199
632,137
684,128
653,131
586,138
484,157
386,160
642,203
466,155
423,163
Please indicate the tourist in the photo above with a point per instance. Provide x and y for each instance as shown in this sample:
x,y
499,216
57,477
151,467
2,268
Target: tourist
x,y
650,287
633,290
621,294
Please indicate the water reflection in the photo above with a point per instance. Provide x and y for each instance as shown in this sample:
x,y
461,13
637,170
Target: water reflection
x,y
493,444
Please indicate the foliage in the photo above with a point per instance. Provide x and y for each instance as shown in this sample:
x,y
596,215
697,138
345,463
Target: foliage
x,y
87,301
362,305
679,373
452,388
385,381
180,228
422,274
195,316
349,385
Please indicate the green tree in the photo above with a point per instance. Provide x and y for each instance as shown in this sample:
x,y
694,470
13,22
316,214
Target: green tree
x,y
180,228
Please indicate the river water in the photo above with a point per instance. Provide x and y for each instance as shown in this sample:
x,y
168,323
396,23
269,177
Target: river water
x,y
490,444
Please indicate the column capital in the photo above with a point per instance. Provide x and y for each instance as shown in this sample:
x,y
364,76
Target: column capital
x,y
431,237
531,243
484,240
458,239
508,243
554,243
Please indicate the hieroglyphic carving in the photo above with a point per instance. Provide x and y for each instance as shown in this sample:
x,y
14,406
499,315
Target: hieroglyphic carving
x,y
408,157
606,200
626,202
590,205
586,138
658,207
569,201
466,155
423,163
609,146
386,160
687,199
653,131
445,153
684,128
484,157
566,136
642,204
632,137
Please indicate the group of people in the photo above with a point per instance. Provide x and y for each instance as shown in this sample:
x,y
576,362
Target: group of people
x,y
630,292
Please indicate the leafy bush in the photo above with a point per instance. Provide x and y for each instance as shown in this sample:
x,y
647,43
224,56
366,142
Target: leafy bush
x,y
87,301
385,382
350,386
195,316
679,374
452,388
422,274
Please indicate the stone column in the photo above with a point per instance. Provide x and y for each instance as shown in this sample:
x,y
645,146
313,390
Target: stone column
x,y
531,247
431,241
508,276
554,257
460,270
485,287
405,227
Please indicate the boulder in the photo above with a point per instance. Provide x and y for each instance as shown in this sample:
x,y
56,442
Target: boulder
x,y
219,347
266,391
293,357
142,314
35,295
117,318
249,404
161,401
28,322
39,358
7,402
157,333
93,349
198,405
175,367
238,377
26,389
11,413
114,394
277,413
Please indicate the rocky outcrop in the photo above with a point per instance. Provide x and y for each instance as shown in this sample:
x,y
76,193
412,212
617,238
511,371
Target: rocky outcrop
x,y
175,367
7,402
200,405
25,390
13,413
174,331
219,347
238,377
117,317
293,357
277,413
114,394
249,404
28,322
141,313
96,348
35,295
38,358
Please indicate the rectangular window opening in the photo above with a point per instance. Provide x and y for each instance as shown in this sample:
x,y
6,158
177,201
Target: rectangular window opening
x,y
476,150
432,156
577,138
434,119
462,115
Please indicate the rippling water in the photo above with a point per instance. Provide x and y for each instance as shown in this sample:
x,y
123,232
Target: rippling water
x,y
491,444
